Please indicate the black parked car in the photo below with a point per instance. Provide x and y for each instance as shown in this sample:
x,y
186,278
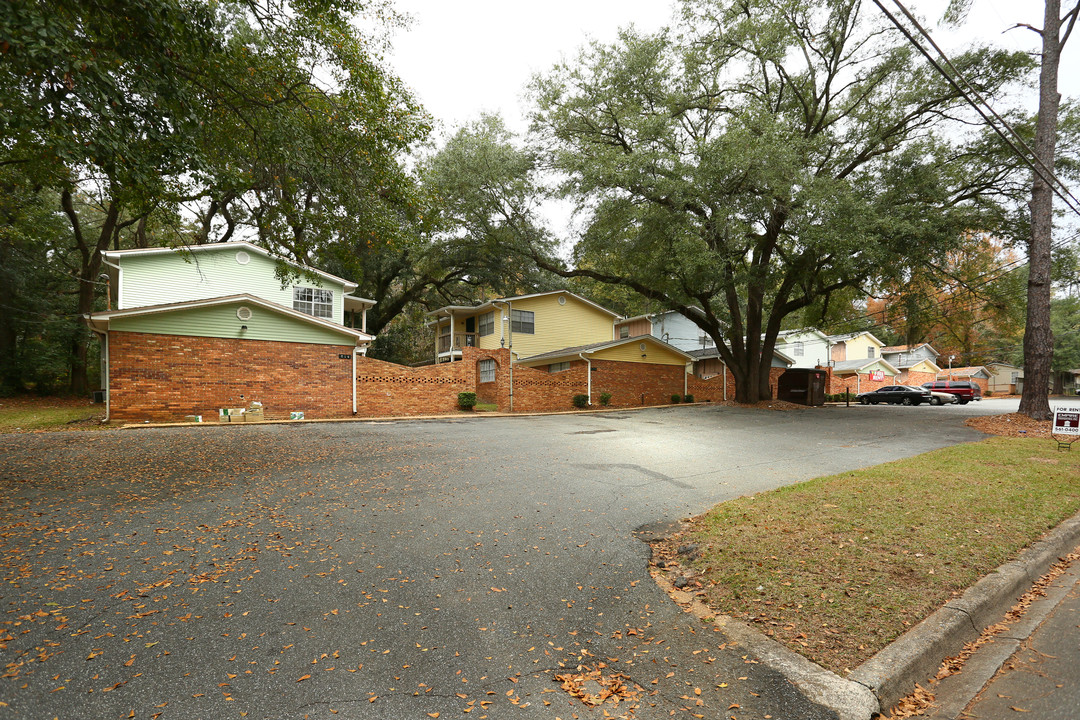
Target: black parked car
x,y
896,395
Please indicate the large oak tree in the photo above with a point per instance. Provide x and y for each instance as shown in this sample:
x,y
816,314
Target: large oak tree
x,y
761,158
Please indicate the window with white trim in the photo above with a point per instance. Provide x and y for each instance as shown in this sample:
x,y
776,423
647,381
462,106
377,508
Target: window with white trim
x,y
624,331
870,351
313,301
798,348
522,321
487,324
487,370
558,367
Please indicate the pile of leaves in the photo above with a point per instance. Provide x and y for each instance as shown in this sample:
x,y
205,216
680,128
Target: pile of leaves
x,y
1011,425
594,688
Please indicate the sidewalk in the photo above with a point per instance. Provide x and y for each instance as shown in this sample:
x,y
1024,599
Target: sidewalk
x,y
1032,669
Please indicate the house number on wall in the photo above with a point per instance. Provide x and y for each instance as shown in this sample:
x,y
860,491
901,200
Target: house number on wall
x,y
344,357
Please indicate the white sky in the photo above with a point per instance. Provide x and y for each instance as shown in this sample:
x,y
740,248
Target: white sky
x,y
464,57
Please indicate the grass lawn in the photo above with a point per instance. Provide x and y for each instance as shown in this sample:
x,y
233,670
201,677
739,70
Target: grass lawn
x,y
838,567
30,414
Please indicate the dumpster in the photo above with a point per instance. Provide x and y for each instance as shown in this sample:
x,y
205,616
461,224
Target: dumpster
x,y
803,386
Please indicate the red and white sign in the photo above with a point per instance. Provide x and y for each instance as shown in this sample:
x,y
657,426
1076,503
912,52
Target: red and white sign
x,y
877,375
1066,421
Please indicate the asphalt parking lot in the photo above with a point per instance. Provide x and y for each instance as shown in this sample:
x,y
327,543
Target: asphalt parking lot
x,y
467,567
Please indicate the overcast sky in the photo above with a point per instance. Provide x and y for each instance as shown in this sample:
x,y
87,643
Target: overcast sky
x,y
464,57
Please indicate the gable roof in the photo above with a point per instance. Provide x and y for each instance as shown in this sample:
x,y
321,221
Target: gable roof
x,y
596,347
447,310
99,321
708,353
851,336
231,245
969,371
854,366
785,334
908,348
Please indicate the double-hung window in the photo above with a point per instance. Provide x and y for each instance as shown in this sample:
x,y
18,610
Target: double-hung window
x,y
558,367
314,301
797,349
487,371
522,321
487,324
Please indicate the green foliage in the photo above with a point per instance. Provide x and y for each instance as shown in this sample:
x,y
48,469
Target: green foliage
x,y
466,400
605,398
688,398
1065,323
580,401
720,175
675,398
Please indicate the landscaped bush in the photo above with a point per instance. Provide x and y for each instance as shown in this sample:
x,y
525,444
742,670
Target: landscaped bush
x,y
688,398
605,398
675,399
466,400
580,401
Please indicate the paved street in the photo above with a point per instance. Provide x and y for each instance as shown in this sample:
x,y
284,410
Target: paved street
x,y
396,570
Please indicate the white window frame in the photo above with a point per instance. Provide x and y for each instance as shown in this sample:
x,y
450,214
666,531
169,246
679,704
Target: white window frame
x,y
798,348
486,370
317,302
870,352
624,331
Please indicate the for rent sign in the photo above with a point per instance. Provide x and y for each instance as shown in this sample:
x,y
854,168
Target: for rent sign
x,y
1067,421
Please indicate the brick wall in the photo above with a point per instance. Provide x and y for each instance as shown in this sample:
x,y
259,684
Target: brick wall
x,y
636,384
164,377
859,383
386,389
713,388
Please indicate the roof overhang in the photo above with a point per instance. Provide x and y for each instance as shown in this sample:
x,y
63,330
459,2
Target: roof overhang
x,y
232,245
576,353
99,321
449,310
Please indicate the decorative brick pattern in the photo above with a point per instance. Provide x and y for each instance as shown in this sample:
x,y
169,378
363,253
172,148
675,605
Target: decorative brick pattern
x,y
165,377
713,387
386,389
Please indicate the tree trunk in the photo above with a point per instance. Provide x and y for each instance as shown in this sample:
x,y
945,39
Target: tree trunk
x,y
90,265
1038,337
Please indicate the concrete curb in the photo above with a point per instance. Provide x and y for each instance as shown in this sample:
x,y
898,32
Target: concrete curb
x,y
404,418
915,656
879,683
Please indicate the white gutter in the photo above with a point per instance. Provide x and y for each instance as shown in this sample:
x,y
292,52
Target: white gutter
x,y
725,381
588,371
506,335
684,379
513,361
355,349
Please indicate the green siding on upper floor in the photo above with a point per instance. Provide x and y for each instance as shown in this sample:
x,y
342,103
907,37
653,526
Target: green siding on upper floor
x,y
163,278
221,321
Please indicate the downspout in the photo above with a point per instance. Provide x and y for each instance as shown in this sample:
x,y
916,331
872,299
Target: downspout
x,y
684,378
355,350
588,375
506,334
108,393
725,381
451,336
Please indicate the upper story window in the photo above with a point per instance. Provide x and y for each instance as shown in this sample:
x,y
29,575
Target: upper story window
x,y
522,321
870,351
487,324
624,331
798,348
313,301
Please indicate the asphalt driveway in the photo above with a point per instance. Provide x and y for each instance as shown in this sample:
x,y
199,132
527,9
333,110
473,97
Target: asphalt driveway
x,y
451,568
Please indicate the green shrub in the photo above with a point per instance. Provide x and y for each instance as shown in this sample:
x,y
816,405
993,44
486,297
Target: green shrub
x,y
466,400
675,399
580,401
605,398
688,398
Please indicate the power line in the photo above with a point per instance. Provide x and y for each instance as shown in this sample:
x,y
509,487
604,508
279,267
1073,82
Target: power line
x,y
1041,170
